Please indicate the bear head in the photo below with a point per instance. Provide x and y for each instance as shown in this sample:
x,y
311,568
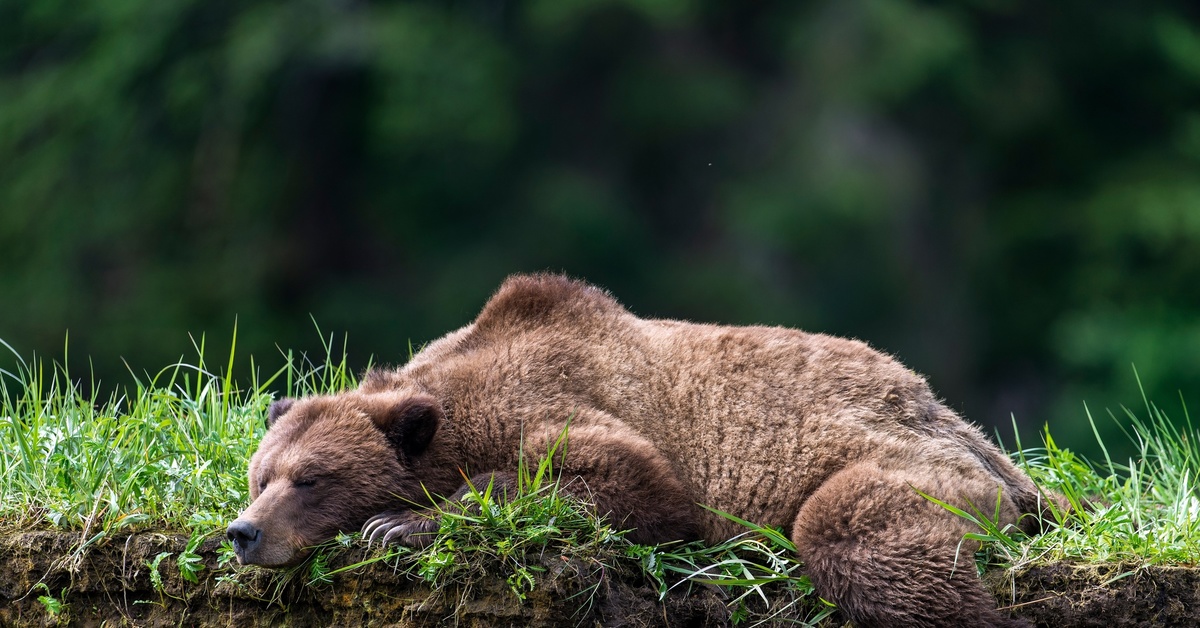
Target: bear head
x,y
327,464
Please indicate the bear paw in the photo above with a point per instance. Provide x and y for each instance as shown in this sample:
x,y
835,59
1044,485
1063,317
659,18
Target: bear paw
x,y
407,527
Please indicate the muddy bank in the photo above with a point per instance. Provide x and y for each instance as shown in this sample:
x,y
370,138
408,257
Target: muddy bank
x,y
113,584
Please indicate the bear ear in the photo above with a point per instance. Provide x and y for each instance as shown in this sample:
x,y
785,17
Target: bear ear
x,y
410,424
278,409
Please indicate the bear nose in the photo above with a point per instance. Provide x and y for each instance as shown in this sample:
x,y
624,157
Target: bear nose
x,y
244,536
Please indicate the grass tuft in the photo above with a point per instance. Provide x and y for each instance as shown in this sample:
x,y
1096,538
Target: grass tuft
x,y
1141,512
169,450
757,569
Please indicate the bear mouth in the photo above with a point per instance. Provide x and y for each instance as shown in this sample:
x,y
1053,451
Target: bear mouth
x,y
271,560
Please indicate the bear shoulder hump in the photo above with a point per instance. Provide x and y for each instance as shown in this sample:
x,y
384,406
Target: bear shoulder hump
x,y
541,299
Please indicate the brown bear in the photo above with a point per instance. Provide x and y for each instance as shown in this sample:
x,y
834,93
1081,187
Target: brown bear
x,y
821,436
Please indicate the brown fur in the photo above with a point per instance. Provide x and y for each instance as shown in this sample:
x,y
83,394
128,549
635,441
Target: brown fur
x,y
822,436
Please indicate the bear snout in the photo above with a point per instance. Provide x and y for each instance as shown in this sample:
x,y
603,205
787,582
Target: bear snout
x,y
245,538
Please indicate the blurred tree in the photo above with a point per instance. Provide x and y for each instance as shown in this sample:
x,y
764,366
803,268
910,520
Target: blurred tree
x,y
1004,194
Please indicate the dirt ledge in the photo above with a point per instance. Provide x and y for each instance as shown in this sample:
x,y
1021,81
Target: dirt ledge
x,y
1108,596
111,585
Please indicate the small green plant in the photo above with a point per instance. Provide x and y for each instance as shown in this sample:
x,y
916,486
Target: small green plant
x,y
53,605
155,575
189,562
226,556
318,570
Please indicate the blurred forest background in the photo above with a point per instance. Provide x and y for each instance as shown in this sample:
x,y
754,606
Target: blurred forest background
x,y
1004,194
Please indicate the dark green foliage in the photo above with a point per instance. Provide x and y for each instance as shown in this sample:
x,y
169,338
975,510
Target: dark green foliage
x,y
1005,194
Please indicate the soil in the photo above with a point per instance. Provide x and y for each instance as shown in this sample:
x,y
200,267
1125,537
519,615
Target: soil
x,y
1111,596
111,584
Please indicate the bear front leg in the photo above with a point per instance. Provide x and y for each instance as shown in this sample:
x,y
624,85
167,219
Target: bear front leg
x,y
626,479
623,476
888,557
416,527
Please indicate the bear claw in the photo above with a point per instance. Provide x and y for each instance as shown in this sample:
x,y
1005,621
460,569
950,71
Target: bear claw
x,y
407,528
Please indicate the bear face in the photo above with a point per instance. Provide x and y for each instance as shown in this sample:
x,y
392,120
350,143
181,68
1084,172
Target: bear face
x,y
326,464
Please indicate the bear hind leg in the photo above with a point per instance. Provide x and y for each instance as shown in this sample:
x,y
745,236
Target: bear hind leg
x,y
887,556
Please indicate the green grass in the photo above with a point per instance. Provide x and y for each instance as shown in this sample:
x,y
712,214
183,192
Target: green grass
x,y
169,451
758,568
1142,511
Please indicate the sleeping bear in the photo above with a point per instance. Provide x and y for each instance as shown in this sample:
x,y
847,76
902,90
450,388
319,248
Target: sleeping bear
x,y
823,437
